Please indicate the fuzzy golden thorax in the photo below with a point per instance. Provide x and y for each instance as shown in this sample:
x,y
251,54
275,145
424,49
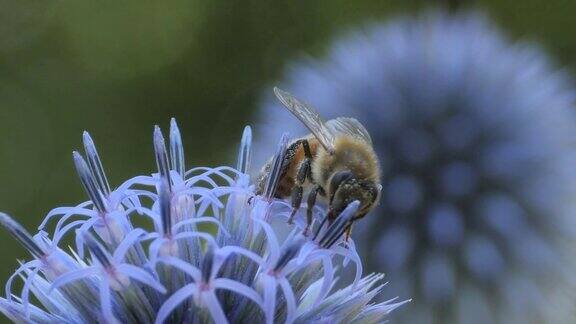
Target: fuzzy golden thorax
x,y
350,154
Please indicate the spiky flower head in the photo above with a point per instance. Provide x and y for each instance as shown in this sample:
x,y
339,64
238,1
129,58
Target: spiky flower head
x,y
475,138
208,253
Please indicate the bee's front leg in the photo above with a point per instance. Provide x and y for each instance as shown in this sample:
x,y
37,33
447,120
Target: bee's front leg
x,y
348,230
310,208
347,233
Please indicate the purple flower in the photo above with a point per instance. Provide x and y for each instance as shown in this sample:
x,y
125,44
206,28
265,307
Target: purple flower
x,y
185,246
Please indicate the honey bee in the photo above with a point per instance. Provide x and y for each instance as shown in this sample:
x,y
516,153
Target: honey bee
x,y
336,162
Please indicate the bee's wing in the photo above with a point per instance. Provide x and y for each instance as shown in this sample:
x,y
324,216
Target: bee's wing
x,y
309,117
349,126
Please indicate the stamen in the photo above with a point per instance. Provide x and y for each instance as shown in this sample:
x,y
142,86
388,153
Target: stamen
x,y
165,208
97,250
337,228
277,168
95,164
207,264
320,228
245,152
21,235
88,182
288,253
161,155
176,149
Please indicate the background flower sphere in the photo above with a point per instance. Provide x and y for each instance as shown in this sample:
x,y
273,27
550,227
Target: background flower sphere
x,y
475,136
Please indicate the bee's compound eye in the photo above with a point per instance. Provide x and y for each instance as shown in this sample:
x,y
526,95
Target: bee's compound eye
x,y
338,178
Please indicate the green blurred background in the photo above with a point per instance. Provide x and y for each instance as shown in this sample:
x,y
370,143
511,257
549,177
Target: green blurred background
x,y
116,68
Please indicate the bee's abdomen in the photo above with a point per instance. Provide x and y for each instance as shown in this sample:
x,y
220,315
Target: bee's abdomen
x,y
293,159
295,155
284,187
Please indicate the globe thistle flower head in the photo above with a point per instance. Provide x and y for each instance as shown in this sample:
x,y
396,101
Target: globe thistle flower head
x,y
208,254
474,135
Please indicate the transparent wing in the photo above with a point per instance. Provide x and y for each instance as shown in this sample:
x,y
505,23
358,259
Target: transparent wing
x,y
309,117
348,126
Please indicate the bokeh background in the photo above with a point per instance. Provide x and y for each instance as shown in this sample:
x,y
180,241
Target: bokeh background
x,y
116,68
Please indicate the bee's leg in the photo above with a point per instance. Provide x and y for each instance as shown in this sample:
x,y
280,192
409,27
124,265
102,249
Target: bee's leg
x,y
304,171
347,233
348,230
308,155
296,201
297,190
310,208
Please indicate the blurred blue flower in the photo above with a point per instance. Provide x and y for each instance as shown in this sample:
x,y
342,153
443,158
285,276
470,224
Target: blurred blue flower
x,y
209,254
475,136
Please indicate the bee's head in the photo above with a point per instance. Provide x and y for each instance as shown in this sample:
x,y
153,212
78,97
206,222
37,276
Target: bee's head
x,y
344,188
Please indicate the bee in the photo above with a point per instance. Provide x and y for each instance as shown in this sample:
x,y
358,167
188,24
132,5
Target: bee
x,y
336,162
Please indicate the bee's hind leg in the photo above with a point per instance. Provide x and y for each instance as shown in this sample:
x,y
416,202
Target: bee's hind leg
x,y
297,190
304,171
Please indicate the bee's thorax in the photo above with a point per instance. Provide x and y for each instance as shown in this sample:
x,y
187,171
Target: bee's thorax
x,y
351,154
